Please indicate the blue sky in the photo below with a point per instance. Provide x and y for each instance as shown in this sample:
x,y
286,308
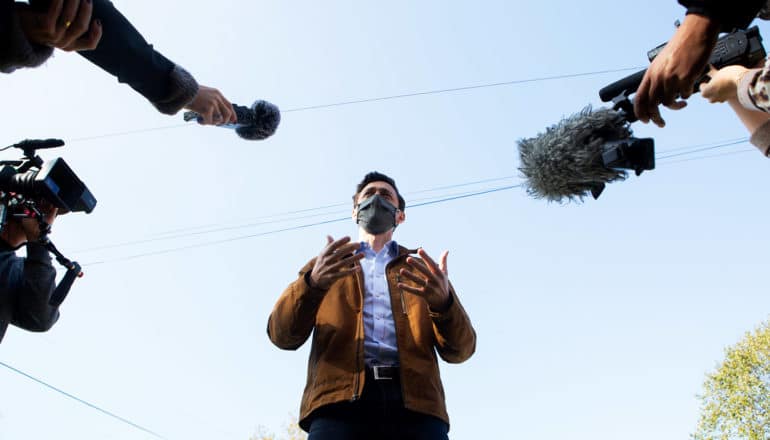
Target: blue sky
x,y
594,320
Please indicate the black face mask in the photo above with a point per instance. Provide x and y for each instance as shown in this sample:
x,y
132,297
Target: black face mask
x,y
376,215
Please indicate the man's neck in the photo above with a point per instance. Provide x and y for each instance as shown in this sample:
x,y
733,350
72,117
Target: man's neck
x,y
376,242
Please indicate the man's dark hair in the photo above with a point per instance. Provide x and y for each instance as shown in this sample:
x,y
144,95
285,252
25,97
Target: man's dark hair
x,y
376,176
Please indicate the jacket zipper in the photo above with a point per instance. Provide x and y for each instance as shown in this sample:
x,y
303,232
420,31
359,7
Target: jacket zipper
x,y
395,326
357,380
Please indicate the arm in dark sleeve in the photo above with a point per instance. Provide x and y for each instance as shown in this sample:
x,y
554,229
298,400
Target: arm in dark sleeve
x,y
124,53
38,281
730,14
15,50
293,317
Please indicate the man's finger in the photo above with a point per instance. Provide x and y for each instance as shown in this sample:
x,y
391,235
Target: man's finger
x,y
79,26
419,265
431,264
443,265
334,245
423,269
345,262
419,280
68,13
334,276
53,13
641,101
678,105
414,290
88,42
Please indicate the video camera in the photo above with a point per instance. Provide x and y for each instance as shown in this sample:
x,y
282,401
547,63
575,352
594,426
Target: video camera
x,y
739,47
26,182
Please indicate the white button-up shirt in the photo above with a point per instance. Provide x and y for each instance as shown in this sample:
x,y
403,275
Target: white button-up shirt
x,y
380,346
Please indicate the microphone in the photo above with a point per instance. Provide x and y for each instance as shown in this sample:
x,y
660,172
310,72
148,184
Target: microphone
x,y
587,150
582,153
256,123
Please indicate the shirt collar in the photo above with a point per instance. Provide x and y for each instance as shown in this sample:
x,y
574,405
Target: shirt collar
x,y
390,249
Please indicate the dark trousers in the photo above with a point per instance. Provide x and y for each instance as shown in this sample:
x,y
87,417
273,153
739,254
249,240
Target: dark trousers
x,y
378,415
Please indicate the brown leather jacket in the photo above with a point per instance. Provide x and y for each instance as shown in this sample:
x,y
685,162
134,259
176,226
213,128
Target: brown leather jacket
x,y
335,317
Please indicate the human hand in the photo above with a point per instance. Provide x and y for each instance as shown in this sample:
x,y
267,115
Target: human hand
x,y
723,85
212,106
18,231
335,261
63,24
673,72
432,279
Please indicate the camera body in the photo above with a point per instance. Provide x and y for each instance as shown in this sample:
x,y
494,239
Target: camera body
x,y
25,182
54,182
31,179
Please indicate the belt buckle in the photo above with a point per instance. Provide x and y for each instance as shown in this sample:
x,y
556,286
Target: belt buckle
x,y
376,370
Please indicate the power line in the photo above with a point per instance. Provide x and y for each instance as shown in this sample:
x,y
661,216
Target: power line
x,y
293,228
441,199
219,228
707,144
729,153
459,89
713,147
77,399
380,98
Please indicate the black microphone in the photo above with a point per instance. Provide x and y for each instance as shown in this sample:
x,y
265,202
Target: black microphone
x,y
254,124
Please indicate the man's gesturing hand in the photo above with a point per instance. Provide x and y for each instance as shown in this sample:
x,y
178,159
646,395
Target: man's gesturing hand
x,y
674,71
335,261
432,280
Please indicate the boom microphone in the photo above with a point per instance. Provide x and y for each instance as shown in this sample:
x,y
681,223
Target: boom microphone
x,y
585,151
254,124
582,153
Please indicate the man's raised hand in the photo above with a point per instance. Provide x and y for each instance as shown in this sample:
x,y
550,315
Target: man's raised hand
x,y
336,260
431,279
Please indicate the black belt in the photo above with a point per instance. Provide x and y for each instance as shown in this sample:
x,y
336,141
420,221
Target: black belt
x,y
379,372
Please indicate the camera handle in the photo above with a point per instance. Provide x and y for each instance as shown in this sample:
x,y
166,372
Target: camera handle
x,y
73,268
73,272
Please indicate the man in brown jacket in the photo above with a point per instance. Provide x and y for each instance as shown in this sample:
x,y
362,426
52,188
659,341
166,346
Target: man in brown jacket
x,y
378,316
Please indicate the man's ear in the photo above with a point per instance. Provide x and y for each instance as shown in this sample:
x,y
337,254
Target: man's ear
x,y
354,215
400,217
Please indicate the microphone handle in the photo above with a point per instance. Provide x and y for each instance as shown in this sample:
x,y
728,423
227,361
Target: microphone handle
x,y
626,86
244,114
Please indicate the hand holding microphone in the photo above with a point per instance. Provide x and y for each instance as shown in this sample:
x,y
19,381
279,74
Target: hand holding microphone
x,y
212,107
253,123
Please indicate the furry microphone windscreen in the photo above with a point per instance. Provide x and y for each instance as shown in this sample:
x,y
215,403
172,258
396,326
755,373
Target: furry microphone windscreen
x,y
260,122
566,162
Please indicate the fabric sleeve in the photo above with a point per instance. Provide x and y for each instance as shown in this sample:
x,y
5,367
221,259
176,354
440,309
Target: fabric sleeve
x,y
293,317
33,311
124,53
730,14
455,336
754,89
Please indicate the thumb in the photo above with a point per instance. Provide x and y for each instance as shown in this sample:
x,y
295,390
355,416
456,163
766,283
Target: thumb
x,y
329,239
443,263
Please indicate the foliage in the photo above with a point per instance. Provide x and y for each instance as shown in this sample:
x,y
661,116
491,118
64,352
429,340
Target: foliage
x,y
292,431
735,404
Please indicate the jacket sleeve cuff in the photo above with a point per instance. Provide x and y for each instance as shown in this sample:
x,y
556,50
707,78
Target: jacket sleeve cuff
x,y
38,253
745,85
761,138
16,51
446,314
183,90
